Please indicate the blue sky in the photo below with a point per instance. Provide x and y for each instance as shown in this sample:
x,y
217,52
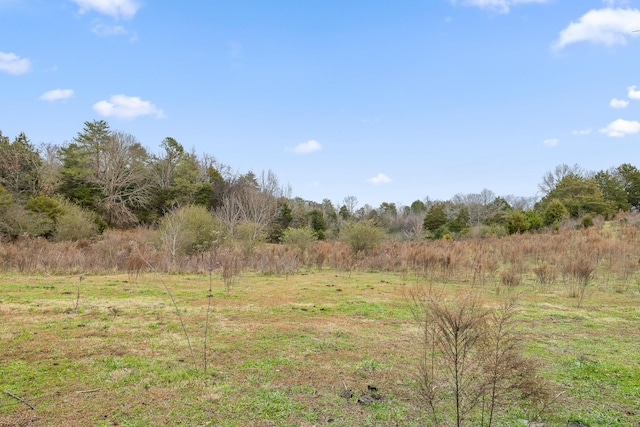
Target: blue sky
x,y
385,101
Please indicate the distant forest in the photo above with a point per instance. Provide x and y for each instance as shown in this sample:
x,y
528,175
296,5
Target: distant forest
x,y
105,179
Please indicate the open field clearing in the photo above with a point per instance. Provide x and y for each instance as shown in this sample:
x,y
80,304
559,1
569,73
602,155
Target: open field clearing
x,y
319,348
293,222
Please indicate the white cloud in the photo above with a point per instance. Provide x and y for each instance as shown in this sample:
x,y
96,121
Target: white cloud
x,y
633,93
581,132
618,103
379,179
307,147
620,128
601,26
127,107
56,95
502,6
551,142
109,30
103,30
115,8
13,64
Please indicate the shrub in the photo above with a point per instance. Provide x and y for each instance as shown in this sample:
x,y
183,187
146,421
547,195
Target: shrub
x,y
511,278
517,223
362,236
46,205
74,223
545,274
17,221
6,199
535,220
188,230
472,364
587,221
301,238
582,269
555,213
247,235
230,261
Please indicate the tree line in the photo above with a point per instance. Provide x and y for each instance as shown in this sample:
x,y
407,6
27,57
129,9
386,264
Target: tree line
x,y
105,178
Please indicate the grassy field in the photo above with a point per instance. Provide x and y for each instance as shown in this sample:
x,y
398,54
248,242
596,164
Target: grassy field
x,y
281,350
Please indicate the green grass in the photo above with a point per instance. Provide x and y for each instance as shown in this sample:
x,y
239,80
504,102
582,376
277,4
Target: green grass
x,y
280,350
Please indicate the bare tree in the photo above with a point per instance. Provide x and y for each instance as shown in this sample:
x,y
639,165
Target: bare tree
x,y
475,206
520,202
551,178
350,202
172,232
228,213
49,168
428,202
413,226
479,205
270,184
252,203
166,165
122,178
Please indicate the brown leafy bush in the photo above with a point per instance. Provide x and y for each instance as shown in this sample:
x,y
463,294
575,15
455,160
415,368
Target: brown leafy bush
x,y
545,275
582,270
511,278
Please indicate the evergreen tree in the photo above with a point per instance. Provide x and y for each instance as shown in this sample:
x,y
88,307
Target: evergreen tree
x,y
629,176
317,223
20,166
580,196
281,221
612,189
435,217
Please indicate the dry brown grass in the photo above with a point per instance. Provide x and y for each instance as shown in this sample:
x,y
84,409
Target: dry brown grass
x,y
612,248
